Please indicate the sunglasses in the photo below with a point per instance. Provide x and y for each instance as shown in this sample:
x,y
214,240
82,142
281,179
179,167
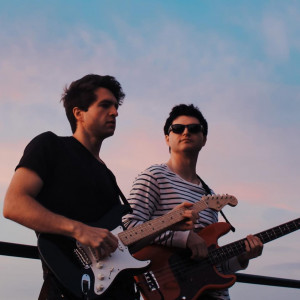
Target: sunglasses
x,y
179,128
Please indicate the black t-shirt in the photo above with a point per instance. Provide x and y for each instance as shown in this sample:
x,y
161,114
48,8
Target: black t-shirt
x,y
76,184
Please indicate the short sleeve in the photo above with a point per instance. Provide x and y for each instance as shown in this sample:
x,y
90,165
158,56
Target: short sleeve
x,y
39,154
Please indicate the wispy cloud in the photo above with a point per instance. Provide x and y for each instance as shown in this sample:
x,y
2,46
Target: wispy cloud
x,y
276,39
252,150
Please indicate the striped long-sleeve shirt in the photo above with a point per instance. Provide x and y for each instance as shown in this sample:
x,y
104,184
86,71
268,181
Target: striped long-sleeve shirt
x,y
158,190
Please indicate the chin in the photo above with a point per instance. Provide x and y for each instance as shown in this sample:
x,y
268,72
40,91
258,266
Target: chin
x,y
190,150
107,134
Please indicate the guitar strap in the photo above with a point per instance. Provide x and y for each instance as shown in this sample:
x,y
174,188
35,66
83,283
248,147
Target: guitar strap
x,y
137,294
208,192
124,200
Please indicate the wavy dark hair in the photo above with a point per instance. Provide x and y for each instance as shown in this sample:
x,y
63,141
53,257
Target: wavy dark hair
x,y
81,94
185,110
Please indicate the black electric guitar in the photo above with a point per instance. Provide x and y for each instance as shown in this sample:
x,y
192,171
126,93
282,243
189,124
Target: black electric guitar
x,y
174,276
82,273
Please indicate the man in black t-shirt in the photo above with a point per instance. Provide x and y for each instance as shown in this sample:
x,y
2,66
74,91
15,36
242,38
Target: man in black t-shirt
x,y
61,184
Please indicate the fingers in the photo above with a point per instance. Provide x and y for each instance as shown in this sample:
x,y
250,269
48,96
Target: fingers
x,y
253,246
106,246
190,217
190,214
183,204
183,225
107,242
100,239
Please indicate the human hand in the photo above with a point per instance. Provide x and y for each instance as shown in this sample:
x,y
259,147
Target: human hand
x,y
190,217
253,249
100,239
197,245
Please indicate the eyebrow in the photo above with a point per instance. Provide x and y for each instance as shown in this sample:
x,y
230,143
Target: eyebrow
x,y
110,101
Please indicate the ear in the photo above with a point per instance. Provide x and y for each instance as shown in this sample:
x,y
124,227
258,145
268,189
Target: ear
x,y
204,141
77,113
167,140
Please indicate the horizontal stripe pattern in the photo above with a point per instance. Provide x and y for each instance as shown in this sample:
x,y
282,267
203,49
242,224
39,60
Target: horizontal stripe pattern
x,y
158,190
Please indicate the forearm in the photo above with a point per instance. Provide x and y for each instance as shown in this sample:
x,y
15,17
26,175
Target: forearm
x,y
172,238
21,206
167,238
26,211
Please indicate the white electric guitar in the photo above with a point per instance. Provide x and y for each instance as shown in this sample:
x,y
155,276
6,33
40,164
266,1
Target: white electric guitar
x,y
85,275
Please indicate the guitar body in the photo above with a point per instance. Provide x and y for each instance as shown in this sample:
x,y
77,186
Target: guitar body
x,y
173,275
76,267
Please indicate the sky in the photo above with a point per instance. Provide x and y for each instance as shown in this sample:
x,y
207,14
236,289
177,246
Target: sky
x,y
238,61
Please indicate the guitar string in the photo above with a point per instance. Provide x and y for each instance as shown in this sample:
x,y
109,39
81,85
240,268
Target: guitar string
x,y
199,206
187,270
183,266
131,235
189,267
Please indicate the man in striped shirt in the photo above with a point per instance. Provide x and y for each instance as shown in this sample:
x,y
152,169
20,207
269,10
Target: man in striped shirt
x,y
161,187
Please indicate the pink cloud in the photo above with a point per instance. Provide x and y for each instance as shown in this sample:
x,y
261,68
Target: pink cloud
x,y
10,154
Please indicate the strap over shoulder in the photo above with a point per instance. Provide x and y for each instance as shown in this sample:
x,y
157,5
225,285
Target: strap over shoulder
x,y
208,192
124,200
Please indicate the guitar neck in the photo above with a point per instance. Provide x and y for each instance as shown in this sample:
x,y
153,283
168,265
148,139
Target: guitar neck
x,y
153,227
228,251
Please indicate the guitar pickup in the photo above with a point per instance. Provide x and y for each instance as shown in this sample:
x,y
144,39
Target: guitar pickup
x,y
82,257
151,281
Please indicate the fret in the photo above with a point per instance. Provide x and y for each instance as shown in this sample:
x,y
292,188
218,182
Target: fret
x,y
278,231
228,251
162,223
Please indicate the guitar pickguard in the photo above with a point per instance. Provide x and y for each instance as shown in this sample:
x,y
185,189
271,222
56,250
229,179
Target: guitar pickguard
x,y
192,276
105,270
77,267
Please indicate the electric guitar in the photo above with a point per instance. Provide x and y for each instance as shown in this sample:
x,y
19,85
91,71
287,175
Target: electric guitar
x,y
174,276
85,275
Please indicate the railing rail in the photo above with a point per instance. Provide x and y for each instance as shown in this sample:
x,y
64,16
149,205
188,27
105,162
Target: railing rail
x,y
266,280
27,251
19,250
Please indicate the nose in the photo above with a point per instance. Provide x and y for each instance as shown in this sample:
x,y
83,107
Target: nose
x,y
114,111
186,131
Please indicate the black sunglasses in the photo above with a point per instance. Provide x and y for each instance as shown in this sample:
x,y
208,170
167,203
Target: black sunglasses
x,y
192,128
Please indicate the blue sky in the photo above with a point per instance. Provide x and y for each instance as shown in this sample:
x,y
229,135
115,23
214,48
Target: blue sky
x,y
238,61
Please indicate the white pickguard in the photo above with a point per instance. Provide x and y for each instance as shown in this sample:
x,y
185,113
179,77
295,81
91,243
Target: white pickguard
x,y
106,270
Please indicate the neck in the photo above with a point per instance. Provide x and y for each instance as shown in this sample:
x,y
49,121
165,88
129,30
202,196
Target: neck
x,y
91,143
184,166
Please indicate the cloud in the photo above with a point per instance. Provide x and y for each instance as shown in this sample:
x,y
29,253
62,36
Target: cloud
x,y
276,39
252,150
174,64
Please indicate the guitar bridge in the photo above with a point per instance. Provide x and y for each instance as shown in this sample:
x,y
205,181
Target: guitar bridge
x,y
151,281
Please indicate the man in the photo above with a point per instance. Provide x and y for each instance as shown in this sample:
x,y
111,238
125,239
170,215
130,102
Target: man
x,y
160,187
61,183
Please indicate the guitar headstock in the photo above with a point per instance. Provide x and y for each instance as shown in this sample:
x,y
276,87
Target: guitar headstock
x,y
217,202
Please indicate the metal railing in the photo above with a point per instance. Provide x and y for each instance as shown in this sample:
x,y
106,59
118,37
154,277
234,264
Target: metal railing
x,y
27,251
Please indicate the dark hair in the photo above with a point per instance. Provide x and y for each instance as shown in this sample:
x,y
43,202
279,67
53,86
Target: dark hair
x,y
81,94
185,110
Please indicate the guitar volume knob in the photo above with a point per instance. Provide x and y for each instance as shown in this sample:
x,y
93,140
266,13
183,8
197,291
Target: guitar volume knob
x,y
99,287
99,265
100,276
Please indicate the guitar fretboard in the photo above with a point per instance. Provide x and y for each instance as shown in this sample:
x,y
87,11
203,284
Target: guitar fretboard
x,y
152,227
225,252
